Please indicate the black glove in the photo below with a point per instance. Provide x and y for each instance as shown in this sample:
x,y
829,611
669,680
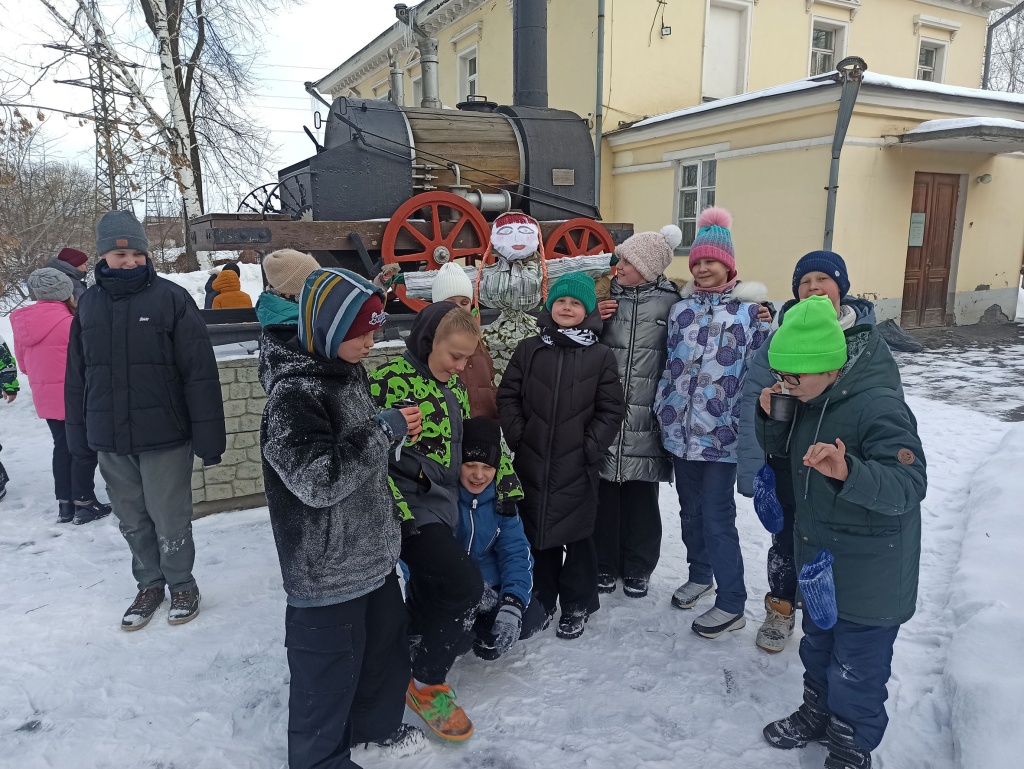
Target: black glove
x,y
506,507
508,624
211,461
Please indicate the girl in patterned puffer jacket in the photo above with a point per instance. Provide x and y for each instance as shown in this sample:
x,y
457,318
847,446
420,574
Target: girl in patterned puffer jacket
x,y
712,332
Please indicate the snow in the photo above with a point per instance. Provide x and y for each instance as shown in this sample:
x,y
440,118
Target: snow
x,y
639,689
949,124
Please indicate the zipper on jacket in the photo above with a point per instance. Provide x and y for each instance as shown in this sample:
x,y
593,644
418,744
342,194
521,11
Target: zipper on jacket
x,y
629,379
551,441
472,527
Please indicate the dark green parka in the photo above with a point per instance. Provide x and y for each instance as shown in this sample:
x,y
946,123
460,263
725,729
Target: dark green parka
x,y
871,522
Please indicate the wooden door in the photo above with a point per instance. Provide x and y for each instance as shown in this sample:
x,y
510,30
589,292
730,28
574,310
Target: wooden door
x,y
929,249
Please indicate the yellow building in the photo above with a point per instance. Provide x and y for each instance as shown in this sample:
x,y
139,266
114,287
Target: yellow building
x,y
927,212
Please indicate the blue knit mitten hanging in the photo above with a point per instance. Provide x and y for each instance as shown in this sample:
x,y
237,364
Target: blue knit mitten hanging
x,y
819,590
766,501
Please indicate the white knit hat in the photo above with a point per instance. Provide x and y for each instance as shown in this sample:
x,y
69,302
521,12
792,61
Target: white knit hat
x,y
650,252
451,281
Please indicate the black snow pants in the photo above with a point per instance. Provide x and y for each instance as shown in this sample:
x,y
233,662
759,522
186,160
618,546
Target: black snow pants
x,y
567,575
628,530
781,559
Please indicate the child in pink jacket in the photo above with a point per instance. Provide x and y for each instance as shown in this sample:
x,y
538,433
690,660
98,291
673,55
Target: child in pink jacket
x,y
41,333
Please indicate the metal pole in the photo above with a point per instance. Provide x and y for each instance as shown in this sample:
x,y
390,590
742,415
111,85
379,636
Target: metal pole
x,y
599,110
397,81
530,53
988,41
427,46
850,72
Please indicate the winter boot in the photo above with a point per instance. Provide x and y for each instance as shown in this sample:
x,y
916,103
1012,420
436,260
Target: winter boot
x,y
65,511
634,587
807,724
142,609
777,626
688,594
842,752
571,624
405,741
90,510
715,622
184,606
436,706
605,583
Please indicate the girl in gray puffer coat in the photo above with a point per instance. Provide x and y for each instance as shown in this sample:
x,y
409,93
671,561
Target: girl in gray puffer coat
x,y
628,531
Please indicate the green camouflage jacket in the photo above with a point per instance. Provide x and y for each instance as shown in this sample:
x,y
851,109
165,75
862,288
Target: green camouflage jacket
x,y
8,369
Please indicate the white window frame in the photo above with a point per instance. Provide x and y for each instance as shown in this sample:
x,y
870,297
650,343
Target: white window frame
x,y
941,48
746,7
414,81
463,77
842,35
385,84
700,188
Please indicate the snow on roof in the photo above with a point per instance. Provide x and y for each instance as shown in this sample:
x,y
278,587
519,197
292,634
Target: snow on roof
x,y
932,126
871,79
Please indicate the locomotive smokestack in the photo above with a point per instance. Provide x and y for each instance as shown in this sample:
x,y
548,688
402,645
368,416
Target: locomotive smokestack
x,y
530,53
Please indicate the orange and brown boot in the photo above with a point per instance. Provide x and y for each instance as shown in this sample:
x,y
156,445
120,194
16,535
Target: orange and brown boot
x,y
436,706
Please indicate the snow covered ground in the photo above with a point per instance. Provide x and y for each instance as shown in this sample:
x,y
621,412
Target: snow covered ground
x,y
639,689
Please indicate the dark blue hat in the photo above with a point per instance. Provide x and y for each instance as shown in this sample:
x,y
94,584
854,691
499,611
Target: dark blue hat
x,y
828,262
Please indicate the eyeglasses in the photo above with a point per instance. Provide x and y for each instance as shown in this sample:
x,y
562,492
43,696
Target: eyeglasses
x,y
790,379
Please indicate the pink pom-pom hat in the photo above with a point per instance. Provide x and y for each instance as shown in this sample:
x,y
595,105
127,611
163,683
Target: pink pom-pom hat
x,y
714,241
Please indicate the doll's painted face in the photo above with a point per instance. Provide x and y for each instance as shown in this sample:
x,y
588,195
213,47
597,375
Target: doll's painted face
x,y
515,240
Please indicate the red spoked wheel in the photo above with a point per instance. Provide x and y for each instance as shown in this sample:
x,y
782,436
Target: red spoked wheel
x,y
578,237
454,229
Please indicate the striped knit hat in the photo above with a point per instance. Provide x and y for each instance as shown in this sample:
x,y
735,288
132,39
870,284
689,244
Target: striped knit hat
x,y
336,305
714,241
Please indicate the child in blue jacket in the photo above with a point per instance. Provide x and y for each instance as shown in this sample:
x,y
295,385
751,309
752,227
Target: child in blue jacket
x,y
498,546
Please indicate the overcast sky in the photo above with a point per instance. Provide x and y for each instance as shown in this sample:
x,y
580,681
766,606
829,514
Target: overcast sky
x,y
304,43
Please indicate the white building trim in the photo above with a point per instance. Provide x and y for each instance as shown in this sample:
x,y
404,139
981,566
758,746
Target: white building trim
x,y
697,152
800,144
641,167
850,5
977,7
934,22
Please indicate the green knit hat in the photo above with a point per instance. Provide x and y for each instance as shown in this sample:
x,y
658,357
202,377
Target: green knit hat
x,y
577,285
810,339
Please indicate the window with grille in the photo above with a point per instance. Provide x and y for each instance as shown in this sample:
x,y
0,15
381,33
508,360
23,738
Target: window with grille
x,y
468,74
417,91
697,180
928,62
823,51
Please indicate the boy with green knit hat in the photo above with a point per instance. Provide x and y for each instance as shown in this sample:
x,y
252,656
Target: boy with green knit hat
x,y
859,473
561,405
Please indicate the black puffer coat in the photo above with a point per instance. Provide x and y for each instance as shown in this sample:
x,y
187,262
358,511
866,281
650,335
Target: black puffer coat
x,y
141,371
561,406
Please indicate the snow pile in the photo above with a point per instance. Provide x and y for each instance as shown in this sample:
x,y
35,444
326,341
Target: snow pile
x,y
949,124
984,678
195,282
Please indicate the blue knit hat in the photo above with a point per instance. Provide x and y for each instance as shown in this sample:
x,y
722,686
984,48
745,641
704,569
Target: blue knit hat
x,y
329,304
828,262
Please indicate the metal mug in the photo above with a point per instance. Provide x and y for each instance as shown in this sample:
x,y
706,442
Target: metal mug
x,y
783,407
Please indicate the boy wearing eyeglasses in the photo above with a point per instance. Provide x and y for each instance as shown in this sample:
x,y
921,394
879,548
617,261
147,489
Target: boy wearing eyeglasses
x,y
859,479
819,273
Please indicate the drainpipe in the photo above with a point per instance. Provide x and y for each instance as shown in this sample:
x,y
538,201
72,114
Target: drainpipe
x,y
397,80
599,110
849,72
530,53
427,46
988,41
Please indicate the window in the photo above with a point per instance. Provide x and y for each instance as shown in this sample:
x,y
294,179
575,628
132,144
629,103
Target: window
x,y
930,61
696,192
417,91
726,43
468,76
828,46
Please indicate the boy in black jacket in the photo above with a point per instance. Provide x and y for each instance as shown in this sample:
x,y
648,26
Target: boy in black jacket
x,y
561,405
337,530
143,392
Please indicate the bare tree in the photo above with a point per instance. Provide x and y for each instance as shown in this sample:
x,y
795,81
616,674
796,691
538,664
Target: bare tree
x,y
205,49
45,205
1007,62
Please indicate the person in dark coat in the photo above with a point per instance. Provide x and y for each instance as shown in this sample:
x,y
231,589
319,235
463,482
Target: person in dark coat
x,y
338,534
860,477
72,263
561,405
8,392
142,390
628,530
819,273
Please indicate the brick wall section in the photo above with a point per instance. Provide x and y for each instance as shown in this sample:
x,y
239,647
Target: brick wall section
x,y
237,482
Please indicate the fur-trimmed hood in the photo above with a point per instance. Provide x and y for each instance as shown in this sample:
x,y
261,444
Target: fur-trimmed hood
x,y
744,291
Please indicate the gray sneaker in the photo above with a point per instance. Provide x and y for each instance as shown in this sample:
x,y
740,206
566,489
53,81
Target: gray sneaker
x,y
715,622
184,606
688,594
143,608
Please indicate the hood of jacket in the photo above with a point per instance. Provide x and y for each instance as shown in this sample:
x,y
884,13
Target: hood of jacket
x,y
744,291
272,310
421,336
870,365
71,271
32,324
282,358
864,309
227,281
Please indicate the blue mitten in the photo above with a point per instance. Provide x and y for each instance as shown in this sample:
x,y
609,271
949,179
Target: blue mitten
x,y
766,501
819,590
